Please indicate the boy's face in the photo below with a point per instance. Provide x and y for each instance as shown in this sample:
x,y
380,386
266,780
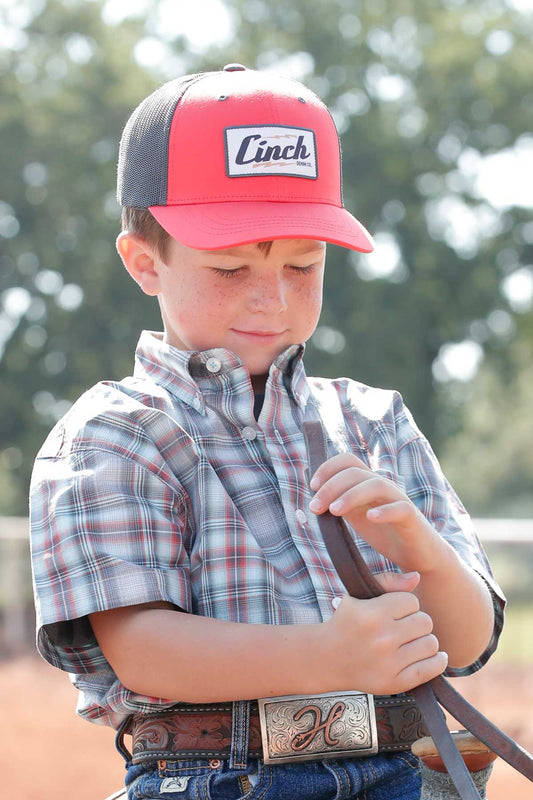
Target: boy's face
x,y
252,302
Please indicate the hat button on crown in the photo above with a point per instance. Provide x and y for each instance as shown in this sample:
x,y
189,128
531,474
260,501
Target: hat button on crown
x,y
234,68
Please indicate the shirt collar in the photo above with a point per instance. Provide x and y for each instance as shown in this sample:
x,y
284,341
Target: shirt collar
x,y
191,374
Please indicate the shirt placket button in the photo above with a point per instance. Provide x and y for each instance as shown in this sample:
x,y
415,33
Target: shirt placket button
x,y
301,516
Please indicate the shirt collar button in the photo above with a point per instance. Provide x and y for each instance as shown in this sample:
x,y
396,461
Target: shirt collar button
x,y
213,365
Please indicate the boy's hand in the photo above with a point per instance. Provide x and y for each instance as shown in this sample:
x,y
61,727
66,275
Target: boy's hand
x,y
385,517
384,645
377,509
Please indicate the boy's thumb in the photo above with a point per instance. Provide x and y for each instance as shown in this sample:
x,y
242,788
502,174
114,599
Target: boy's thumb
x,y
398,581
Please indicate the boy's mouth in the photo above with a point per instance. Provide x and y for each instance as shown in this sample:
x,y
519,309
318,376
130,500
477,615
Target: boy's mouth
x,y
259,334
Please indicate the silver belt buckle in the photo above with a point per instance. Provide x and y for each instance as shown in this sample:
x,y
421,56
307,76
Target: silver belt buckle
x,y
300,728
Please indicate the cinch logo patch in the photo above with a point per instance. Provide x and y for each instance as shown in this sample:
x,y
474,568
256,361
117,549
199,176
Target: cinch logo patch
x,y
270,150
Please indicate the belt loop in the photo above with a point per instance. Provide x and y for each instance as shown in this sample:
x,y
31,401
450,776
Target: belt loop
x,y
239,735
119,739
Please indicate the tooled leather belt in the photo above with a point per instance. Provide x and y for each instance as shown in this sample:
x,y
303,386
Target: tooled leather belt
x,y
187,731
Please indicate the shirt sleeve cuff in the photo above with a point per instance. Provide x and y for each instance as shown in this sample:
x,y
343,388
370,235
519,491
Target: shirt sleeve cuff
x,y
71,645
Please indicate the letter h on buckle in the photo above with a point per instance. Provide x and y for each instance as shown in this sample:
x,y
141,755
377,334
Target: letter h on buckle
x,y
331,725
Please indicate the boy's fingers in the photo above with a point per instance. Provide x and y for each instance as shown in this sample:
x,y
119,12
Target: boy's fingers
x,y
397,511
333,465
421,671
353,488
417,628
393,605
398,581
397,605
420,649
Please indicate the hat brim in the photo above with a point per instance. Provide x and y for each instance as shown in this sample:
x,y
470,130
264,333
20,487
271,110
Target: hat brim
x,y
216,226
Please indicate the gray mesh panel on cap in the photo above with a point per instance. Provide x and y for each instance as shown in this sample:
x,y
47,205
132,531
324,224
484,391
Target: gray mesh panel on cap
x,y
143,155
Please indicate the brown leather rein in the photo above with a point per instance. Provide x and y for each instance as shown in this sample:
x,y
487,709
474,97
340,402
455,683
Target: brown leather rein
x,y
360,583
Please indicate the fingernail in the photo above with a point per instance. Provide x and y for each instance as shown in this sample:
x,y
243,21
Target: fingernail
x,y
315,504
315,483
336,506
374,513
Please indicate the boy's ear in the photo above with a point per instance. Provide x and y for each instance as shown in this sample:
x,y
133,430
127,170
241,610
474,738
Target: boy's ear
x,y
140,261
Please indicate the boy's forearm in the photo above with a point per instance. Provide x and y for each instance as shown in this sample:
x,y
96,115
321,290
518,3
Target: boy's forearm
x,y
165,653
459,602
383,646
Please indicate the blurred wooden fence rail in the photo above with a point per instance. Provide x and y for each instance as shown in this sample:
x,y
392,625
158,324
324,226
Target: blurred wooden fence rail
x,y
509,543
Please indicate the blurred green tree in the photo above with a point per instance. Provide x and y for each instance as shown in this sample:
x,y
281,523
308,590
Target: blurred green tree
x,y
422,94
68,316
490,457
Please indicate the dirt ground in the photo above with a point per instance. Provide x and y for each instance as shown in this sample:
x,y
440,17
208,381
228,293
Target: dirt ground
x,y
47,753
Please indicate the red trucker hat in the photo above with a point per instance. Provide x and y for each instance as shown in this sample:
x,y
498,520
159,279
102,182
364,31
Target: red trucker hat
x,y
227,158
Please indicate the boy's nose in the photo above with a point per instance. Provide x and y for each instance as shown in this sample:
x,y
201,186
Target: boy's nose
x,y
269,296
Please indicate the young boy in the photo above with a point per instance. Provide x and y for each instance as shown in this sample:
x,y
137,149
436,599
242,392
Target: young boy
x,y
180,572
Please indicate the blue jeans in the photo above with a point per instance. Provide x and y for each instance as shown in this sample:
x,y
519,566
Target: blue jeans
x,y
380,777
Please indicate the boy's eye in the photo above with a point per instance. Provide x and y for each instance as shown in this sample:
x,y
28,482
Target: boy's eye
x,y
233,273
227,273
302,270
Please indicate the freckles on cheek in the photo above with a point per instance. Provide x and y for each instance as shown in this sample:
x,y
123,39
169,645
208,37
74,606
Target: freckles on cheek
x,y
311,300
201,308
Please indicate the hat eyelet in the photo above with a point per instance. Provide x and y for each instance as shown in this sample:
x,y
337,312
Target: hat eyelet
x,y
223,97
301,100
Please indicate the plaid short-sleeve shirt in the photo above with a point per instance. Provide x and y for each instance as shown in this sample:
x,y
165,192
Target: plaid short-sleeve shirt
x,y
164,486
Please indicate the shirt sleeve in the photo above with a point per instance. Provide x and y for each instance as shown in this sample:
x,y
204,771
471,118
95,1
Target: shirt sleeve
x,y
107,530
431,492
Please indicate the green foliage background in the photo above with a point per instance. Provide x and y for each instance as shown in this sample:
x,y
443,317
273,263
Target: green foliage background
x,y
421,91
